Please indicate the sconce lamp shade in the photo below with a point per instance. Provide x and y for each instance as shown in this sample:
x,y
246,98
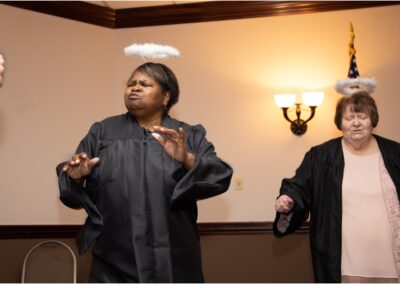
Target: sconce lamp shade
x,y
312,98
285,100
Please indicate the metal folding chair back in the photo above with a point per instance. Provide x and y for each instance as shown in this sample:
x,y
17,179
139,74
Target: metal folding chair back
x,y
50,261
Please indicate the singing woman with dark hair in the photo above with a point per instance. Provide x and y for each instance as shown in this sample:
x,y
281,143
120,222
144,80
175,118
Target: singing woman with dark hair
x,y
138,176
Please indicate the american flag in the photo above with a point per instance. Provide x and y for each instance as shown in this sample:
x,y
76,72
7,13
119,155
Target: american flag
x,y
353,70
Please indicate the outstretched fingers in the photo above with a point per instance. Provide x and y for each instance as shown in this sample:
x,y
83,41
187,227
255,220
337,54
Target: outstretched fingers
x,y
171,133
181,134
159,138
91,163
80,165
77,159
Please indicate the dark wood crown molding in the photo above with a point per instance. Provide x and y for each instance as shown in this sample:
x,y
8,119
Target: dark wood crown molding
x,y
185,13
74,10
70,231
230,10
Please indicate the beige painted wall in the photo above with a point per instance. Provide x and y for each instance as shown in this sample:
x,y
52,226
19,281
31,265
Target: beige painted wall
x,y
63,75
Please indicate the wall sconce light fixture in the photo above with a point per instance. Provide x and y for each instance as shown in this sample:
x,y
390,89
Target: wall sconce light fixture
x,y
310,99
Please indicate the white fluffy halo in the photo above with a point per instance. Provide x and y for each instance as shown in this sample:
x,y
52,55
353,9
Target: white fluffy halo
x,y
349,86
151,50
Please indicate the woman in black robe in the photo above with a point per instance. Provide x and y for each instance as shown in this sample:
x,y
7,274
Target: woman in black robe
x,y
318,189
138,176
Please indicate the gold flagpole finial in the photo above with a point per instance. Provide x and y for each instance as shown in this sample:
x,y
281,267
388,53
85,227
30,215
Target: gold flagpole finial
x,y
352,50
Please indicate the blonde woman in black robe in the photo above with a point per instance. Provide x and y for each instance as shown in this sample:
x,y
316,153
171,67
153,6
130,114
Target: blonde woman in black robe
x,y
350,186
138,176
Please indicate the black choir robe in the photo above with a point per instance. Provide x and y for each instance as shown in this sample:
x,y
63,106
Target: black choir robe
x,y
141,204
316,189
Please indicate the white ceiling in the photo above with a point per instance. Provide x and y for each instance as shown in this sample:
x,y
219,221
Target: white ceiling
x,y
137,4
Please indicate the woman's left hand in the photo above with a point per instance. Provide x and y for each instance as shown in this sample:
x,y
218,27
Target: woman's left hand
x,y
2,68
174,145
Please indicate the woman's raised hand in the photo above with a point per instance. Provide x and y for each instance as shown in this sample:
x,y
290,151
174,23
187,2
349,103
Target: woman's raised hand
x,y
80,166
2,69
174,145
284,204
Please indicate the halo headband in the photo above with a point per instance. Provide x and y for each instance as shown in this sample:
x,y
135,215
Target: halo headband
x,y
151,50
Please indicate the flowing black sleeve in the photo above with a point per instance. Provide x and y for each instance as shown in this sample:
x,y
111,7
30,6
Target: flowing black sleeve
x,y
76,195
208,177
298,188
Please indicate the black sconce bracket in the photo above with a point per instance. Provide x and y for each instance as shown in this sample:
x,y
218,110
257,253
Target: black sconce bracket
x,y
298,126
